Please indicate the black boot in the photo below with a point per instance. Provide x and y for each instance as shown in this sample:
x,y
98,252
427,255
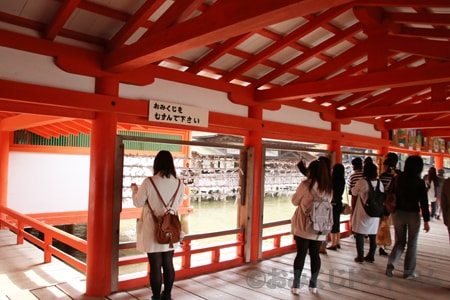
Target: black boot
x,y
166,296
383,252
369,258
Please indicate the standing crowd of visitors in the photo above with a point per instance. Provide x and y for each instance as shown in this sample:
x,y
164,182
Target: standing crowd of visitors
x,y
414,197
321,191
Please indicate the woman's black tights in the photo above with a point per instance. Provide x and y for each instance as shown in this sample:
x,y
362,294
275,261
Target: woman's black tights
x,y
164,261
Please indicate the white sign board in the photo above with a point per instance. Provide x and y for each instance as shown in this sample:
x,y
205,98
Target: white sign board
x,y
174,113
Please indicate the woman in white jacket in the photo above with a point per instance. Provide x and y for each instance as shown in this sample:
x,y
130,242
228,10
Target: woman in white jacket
x,y
160,256
362,223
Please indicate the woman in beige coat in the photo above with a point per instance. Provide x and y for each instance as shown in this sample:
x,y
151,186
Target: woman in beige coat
x,y
160,256
318,182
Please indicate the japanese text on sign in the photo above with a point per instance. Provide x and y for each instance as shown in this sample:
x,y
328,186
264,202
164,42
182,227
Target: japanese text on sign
x,y
174,113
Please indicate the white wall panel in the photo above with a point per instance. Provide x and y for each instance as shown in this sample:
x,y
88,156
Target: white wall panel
x,y
361,128
164,90
40,182
295,116
38,69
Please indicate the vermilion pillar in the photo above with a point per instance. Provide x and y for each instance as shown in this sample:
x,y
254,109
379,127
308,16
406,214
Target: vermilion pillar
x,y
336,144
101,186
439,162
255,140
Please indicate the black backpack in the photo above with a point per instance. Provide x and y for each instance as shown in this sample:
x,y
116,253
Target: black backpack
x,y
374,205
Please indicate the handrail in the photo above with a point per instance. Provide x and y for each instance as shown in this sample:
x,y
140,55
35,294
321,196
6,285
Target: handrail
x,y
17,223
276,248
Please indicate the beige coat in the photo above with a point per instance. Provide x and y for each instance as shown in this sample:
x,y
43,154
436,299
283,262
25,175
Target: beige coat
x,y
145,236
303,199
361,222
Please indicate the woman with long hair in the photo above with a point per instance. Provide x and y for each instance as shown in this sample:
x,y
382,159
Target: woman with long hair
x,y
318,182
160,256
412,203
338,181
432,182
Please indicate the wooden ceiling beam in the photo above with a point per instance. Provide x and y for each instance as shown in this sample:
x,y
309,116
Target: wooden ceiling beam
x,y
64,13
218,52
224,23
307,54
404,3
24,121
426,124
339,62
420,18
437,33
175,14
423,75
423,47
443,132
67,100
37,108
284,41
137,20
392,110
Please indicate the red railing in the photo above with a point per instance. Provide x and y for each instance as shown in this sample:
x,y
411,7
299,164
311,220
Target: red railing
x,y
17,223
210,256
278,248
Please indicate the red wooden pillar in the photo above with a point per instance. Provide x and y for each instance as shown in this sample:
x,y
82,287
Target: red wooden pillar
x,y
101,185
255,140
336,144
4,165
439,162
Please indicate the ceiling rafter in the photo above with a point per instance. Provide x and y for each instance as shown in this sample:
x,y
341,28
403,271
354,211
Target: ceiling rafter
x,y
234,52
313,52
224,22
417,124
286,40
133,23
23,121
423,18
423,47
370,99
65,11
392,110
216,53
344,59
170,17
436,73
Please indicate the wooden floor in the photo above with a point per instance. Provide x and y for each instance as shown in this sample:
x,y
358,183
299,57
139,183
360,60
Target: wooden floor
x,y
24,276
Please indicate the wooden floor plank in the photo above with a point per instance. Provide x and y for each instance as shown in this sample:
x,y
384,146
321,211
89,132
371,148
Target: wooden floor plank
x,y
50,293
24,276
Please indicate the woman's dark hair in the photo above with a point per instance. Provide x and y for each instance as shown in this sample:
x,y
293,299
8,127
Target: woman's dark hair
x,y
432,176
413,166
338,172
393,159
319,171
370,171
163,164
387,163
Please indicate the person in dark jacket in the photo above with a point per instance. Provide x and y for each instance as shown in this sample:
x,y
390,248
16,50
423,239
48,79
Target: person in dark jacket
x,y
445,204
338,181
412,199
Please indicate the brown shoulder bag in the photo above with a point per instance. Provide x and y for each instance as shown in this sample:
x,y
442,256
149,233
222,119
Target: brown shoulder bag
x,y
168,226
391,197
